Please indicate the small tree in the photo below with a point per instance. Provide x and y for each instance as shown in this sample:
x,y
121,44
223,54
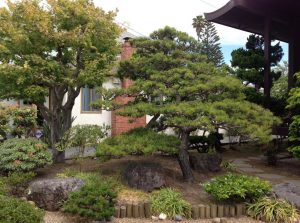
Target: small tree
x,y
52,49
177,86
209,39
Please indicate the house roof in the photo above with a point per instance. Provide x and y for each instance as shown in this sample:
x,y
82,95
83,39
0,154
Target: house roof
x,y
249,15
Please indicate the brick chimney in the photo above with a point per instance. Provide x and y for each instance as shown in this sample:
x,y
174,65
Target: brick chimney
x,y
122,124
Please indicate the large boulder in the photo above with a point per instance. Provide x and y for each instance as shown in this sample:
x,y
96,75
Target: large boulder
x,y
49,194
204,162
145,176
289,192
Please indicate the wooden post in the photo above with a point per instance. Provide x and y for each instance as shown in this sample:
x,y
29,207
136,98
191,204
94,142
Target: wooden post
x,y
207,211
201,211
141,210
135,211
220,211
195,212
147,209
129,210
117,212
239,210
213,211
267,61
232,211
123,212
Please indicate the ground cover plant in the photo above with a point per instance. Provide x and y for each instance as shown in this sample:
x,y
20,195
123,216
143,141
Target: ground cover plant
x,y
236,187
170,202
271,209
13,210
21,155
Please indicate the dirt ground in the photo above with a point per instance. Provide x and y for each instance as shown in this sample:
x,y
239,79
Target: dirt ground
x,y
191,192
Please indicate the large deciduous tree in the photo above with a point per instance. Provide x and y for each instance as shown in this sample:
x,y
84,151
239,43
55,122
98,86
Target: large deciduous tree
x,y
209,39
51,49
176,85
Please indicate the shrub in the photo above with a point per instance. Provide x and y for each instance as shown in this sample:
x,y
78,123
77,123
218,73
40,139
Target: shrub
x,y
229,166
273,210
170,202
4,123
235,187
3,187
138,141
96,202
17,182
16,210
21,155
24,121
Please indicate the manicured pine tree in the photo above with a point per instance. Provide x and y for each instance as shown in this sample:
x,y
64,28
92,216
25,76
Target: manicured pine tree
x,y
182,90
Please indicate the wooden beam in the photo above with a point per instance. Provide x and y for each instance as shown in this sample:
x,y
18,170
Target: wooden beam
x,y
267,56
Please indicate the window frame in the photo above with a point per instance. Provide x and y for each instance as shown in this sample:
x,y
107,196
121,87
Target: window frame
x,y
81,103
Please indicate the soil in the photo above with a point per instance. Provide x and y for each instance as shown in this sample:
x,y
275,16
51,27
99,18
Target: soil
x,y
194,193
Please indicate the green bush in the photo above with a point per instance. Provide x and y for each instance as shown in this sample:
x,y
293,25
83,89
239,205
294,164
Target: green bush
x,y
22,155
235,187
273,210
96,202
19,178
14,210
170,202
138,141
3,187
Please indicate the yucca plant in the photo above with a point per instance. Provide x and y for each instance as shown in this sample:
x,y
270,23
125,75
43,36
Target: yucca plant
x,y
271,209
170,202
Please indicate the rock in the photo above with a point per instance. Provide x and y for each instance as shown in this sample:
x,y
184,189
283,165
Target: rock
x,y
178,218
162,216
216,220
145,176
205,162
32,203
49,194
223,220
154,218
289,192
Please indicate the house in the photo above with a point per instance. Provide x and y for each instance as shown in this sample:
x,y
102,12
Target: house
x,y
82,110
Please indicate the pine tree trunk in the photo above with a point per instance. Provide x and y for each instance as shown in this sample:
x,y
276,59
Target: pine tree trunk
x,y
183,158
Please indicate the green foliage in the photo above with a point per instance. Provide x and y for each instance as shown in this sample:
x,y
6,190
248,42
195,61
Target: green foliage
x,y
273,210
14,210
53,49
209,39
93,202
24,121
235,187
22,155
3,187
138,141
229,166
19,179
249,61
170,202
4,122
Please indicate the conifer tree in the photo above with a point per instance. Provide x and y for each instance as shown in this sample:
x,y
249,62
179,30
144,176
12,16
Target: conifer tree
x,y
180,88
209,39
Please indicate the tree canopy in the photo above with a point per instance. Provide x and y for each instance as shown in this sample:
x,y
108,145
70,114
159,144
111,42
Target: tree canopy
x,y
181,89
51,49
209,39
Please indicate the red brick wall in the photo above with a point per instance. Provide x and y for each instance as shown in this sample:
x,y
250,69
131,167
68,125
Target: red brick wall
x,y
122,124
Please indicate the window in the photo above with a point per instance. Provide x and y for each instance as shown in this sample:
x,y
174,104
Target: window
x,y
88,96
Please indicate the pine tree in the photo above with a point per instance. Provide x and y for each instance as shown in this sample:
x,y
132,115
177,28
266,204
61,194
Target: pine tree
x,y
177,86
209,39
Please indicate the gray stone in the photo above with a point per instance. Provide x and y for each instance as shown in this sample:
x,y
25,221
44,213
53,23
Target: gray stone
x,y
270,176
162,216
49,194
145,176
288,191
205,162
178,218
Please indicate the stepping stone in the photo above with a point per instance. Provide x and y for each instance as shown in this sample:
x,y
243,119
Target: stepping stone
x,y
271,176
251,170
288,191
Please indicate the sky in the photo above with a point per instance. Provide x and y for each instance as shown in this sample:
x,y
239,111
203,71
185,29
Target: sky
x,y
144,16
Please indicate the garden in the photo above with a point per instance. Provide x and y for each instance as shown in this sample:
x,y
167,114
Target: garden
x,y
206,154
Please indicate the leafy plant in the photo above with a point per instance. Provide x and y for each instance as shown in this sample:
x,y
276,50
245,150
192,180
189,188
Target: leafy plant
x,y
24,121
229,166
3,187
170,202
92,202
19,179
273,210
4,122
235,187
14,210
21,155
138,141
